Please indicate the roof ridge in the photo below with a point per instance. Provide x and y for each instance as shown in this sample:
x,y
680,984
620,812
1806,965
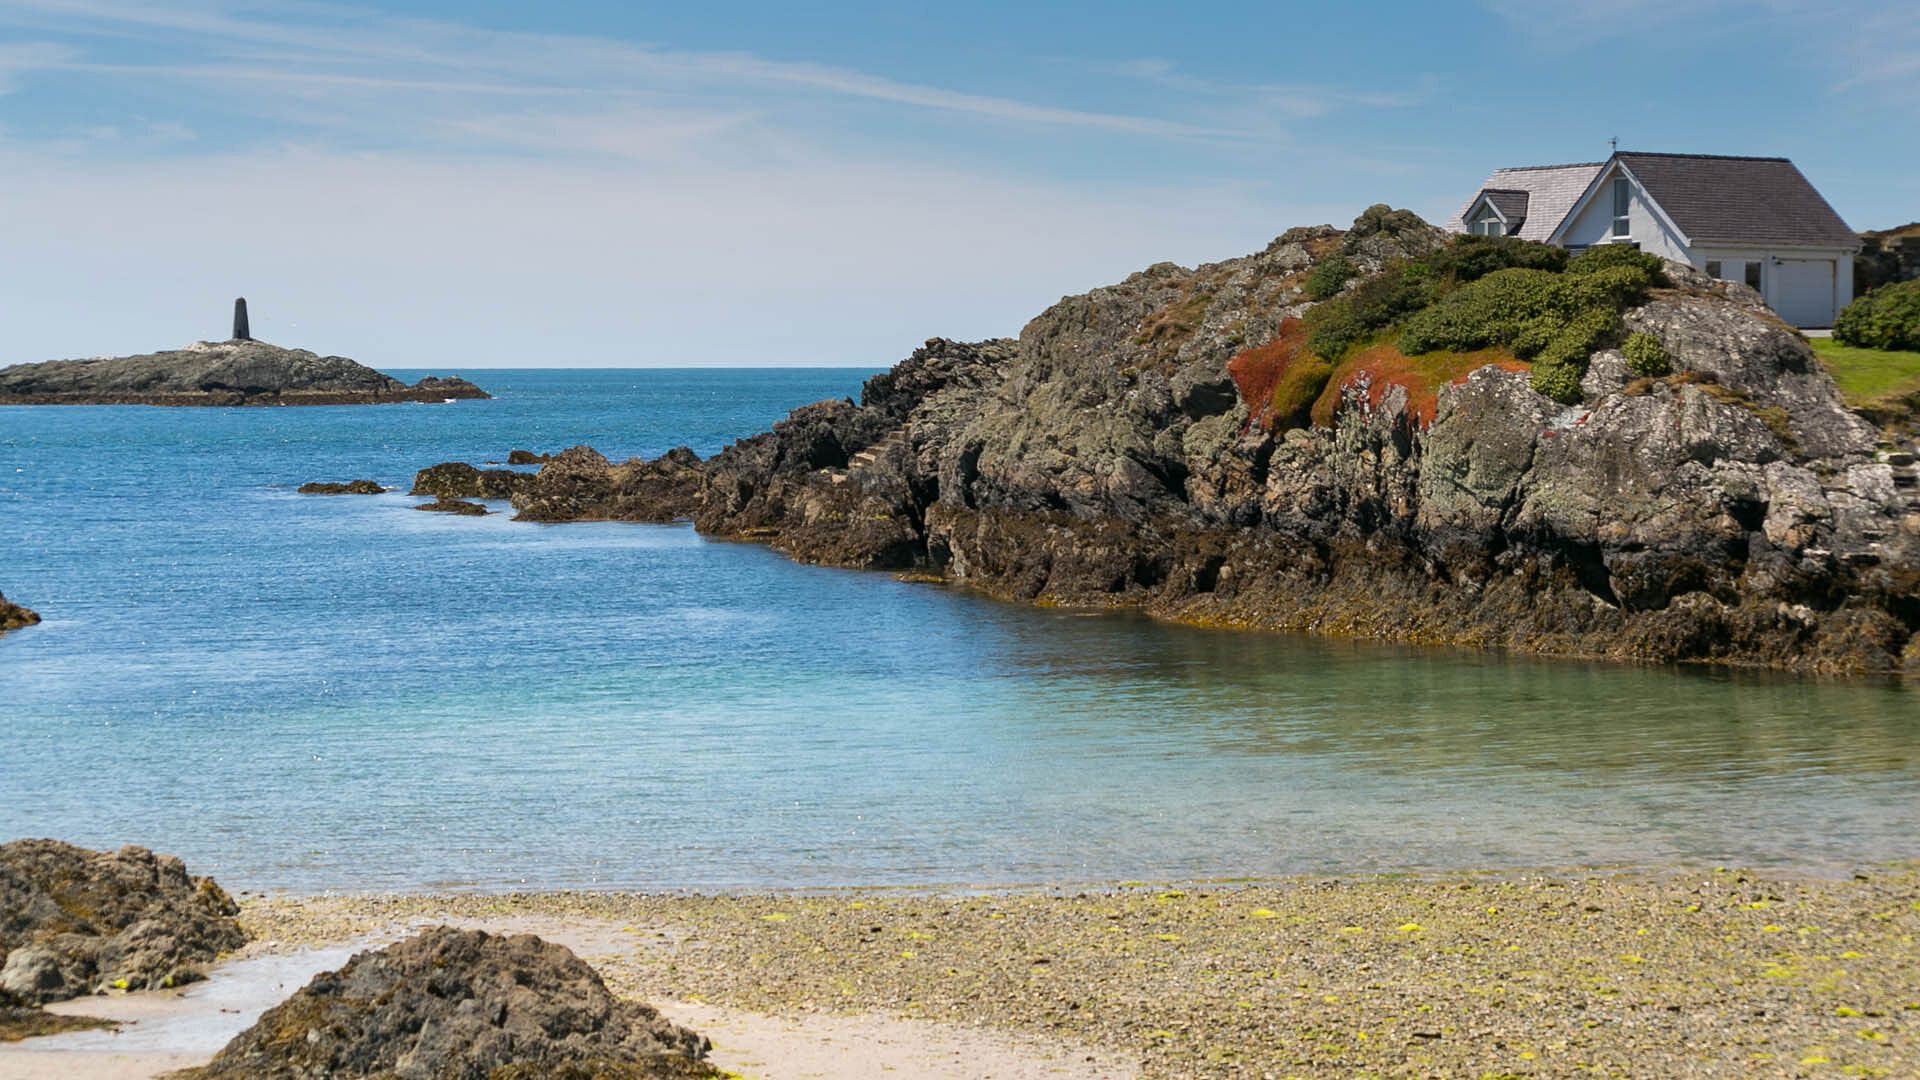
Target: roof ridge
x,y
1507,190
1533,168
1704,157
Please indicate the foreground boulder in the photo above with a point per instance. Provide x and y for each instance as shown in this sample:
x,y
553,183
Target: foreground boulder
x,y
76,922
460,1005
351,487
459,480
218,373
15,617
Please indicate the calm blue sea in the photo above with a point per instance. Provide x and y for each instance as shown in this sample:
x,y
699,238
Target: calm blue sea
x,y
340,693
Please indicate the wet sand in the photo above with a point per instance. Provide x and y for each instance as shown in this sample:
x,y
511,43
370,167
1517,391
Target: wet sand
x,y
1671,973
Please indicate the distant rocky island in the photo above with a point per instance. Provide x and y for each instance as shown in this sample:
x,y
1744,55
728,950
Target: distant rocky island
x,y
239,371
1381,432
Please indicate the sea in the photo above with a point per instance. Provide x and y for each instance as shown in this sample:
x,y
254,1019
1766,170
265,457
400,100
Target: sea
x,y
327,694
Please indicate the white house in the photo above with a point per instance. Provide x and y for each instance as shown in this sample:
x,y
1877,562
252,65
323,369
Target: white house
x,y
1747,219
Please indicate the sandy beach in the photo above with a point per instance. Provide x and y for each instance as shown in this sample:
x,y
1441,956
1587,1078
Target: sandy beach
x,y
1715,972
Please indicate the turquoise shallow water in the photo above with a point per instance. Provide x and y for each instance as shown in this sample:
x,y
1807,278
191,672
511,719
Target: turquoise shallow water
x,y
339,693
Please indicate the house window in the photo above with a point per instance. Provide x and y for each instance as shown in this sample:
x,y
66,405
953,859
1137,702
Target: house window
x,y
1622,202
1713,269
1489,225
1753,276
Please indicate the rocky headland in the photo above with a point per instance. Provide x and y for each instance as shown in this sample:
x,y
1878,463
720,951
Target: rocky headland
x,y
75,922
238,372
15,617
1381,432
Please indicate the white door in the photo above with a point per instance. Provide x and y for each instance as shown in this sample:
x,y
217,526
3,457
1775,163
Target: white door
x,y
1802,291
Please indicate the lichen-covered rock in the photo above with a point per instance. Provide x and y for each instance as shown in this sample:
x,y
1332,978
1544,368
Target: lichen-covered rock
x,y
15,617
460,1005
218,373
73,921
351,487
459,480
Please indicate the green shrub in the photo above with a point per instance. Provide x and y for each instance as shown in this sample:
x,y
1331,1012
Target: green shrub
x,y
1886,318
1328,278
1578,337
1299,386
1615,288
1559,381
1337,325
1470,258
1499,309
1605,256
1646,356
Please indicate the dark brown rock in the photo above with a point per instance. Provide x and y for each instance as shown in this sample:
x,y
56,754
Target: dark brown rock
x,y
460,1005
444,505
580,485
527,457
73,921
15,617
351,487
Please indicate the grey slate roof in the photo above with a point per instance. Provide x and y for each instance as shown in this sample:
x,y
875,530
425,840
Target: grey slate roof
x,y
1739,200
1551,192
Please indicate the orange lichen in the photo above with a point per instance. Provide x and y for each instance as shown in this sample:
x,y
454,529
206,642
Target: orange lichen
x,y
1383,365
1257,373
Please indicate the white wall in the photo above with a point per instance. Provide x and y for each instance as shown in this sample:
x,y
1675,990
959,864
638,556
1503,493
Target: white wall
x,y
1593,224
1772,278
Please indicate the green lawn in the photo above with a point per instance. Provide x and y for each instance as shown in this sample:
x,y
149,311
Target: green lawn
x,y
1869,375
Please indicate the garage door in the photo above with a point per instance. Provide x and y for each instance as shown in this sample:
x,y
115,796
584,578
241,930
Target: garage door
x,y
1802,291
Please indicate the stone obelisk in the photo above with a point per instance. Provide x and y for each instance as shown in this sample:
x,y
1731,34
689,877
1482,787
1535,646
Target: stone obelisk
x,y
240,331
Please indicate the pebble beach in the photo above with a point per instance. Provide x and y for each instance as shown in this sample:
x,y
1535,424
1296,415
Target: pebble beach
x,y
1707,972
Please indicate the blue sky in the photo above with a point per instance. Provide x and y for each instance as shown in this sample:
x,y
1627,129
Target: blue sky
x,y
588,184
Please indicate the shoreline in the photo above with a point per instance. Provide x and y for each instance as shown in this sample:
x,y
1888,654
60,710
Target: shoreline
x,y
1617,970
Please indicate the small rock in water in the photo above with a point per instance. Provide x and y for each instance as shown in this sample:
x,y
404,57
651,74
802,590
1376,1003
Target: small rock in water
x,y
445,505
351,487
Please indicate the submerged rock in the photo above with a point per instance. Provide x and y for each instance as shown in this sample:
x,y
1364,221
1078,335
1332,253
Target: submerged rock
x,y
444,505
461,1005
76,922
351,487
15,617
218,373
459,480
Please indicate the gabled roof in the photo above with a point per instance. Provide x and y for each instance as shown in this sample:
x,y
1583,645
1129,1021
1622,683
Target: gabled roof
x,y
1551,191
1738,200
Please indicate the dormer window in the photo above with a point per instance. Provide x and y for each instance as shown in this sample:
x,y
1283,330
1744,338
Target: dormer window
x,y
1622,204
1489,224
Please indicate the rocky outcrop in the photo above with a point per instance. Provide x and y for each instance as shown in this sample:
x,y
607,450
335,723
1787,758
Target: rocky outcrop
x,y
218,373
75,922
527,457
15,617
351,487
459,480
461,507
1732,511
460,1005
